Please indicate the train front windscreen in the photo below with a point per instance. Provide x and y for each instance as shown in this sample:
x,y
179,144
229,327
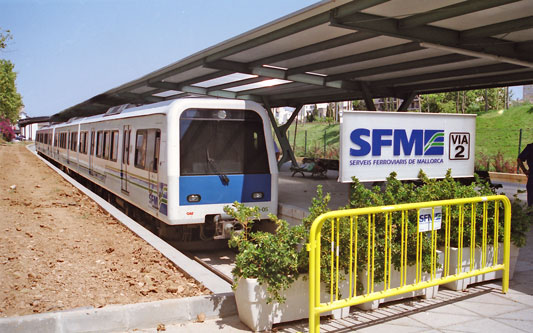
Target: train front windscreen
x,y
222,142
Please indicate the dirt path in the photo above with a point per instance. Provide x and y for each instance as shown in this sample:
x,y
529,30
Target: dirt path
x,y
59,250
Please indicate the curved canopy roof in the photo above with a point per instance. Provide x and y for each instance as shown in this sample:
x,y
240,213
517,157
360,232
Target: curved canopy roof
x,y
344,50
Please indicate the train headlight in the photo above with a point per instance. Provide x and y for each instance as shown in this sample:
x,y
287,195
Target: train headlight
x,y
194,198
258,195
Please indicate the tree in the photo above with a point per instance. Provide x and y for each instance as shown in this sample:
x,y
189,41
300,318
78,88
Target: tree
x,y
467,101
10,99
4,37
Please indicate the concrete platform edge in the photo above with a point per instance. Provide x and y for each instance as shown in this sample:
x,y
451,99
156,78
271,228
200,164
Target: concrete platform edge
x,y
114,318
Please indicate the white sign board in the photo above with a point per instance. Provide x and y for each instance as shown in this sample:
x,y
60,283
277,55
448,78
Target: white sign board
x,y
374,144
426,222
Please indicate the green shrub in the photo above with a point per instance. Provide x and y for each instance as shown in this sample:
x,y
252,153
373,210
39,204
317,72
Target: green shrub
x,y
271,258
278,259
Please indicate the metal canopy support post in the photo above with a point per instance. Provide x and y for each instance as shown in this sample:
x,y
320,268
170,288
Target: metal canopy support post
x,y
369,102
281,133
407,101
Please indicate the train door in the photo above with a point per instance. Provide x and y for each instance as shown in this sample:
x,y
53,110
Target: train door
x,y
125,161
153,140
91,151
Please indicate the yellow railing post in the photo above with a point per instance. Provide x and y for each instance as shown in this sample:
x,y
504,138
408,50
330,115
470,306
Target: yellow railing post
x,y
314,248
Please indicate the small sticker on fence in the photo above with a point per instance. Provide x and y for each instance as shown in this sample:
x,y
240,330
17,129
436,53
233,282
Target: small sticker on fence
x,y
425,222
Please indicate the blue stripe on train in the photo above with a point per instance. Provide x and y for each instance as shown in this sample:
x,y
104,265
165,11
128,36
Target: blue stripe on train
x,y
212,191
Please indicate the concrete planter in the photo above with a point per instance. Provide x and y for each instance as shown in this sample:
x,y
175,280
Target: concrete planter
x,y
260,316
502,177
430,292
463,284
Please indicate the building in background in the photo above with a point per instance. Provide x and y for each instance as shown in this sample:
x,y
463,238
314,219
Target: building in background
x,y
28,126
528,93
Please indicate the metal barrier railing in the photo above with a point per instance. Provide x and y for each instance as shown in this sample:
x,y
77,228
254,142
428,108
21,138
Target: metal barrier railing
x,y
401,230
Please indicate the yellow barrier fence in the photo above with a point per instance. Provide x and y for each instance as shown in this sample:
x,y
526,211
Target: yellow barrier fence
x,y
392,239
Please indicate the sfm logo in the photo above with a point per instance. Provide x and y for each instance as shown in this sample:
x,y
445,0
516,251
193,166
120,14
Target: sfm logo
x,y
424,142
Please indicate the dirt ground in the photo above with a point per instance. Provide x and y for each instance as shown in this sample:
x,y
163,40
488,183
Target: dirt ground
x,y
59,250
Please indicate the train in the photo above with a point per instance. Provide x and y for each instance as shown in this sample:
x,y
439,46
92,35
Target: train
x,y
178,161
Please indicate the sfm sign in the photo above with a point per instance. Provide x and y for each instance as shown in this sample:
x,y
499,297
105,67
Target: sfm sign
x,y
374,144
424,142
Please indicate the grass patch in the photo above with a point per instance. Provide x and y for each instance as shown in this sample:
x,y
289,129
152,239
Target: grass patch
x,y
497,131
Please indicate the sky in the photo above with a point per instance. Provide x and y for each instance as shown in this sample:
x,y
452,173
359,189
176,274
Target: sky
x,y
67,51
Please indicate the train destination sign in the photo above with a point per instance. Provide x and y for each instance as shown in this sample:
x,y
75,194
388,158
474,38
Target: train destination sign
x,y
373,144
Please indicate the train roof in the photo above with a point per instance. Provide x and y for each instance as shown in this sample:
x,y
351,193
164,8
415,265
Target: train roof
x,y
129,110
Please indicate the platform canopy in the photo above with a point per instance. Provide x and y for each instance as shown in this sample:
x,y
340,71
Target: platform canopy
x,y
346,50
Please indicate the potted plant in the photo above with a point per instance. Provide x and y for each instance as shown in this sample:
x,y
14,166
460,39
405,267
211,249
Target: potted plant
x,y
392,192
269,280
449,188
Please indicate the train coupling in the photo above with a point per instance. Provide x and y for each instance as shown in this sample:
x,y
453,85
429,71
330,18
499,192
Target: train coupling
x,y
225,228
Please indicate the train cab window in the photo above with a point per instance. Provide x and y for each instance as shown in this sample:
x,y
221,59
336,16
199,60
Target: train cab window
x,y
216,142
114,146
147,149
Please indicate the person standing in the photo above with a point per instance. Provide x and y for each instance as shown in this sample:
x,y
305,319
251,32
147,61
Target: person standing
x,y
527,156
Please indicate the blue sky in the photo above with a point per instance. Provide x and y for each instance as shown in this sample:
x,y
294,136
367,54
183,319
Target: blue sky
x,y
67,51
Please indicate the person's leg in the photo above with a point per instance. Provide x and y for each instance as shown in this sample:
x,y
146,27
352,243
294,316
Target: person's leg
x,y
529,188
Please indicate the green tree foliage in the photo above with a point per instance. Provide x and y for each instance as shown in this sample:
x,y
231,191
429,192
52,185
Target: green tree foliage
x,y
4,37
468,101
10,99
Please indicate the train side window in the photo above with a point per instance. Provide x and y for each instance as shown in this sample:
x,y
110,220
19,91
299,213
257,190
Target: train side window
x,y
114,146
73,141
153,138
140,149
156,150
83,143
106,145
99,145
126,147
91,152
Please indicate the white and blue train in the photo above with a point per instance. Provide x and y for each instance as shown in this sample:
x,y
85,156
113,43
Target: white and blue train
x,y
180,161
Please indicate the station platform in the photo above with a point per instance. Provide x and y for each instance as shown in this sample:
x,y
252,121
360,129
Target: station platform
x,y
480,308
296,193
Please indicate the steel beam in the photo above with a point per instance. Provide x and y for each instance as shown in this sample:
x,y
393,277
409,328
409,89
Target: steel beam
x,y
371,55
321,46
488,69
287,154
428,34
276,73
426,62
237,83
367,96
311,22
520,78
498,28
409,97
454,10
